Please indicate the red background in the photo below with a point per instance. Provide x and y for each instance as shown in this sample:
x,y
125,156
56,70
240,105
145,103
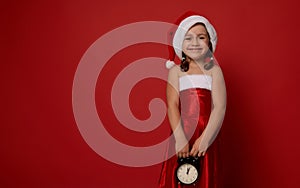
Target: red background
x,y
42,43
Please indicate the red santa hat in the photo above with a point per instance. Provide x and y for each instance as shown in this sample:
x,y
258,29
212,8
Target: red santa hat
x,y
185,22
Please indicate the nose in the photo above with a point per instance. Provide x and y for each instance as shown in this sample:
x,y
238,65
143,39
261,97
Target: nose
x,y
195,42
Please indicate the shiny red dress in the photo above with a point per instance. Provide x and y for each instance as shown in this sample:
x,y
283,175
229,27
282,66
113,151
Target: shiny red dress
x,y
195,104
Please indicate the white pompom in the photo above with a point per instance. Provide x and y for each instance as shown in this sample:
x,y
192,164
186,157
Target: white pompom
x,y
169,64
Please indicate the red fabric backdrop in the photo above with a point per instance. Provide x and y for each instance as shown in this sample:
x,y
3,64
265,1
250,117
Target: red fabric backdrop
x,y
42,43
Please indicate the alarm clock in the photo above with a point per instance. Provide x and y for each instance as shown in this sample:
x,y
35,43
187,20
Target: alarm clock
x,y
188,170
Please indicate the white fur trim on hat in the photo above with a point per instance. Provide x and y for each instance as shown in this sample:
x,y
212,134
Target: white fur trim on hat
x,y
170,64
185,25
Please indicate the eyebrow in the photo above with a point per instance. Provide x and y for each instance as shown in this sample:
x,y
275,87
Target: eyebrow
x,y
190,34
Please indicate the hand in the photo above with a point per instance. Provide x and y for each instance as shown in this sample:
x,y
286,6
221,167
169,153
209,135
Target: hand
x,y
182,148
199,148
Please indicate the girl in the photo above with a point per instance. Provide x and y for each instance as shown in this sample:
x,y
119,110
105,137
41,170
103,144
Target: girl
x,y
196,99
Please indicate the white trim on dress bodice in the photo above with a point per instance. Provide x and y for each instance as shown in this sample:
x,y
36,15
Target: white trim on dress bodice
x,y
195,81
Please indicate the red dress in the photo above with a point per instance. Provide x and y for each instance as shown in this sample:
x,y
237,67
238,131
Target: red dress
x,y
195,104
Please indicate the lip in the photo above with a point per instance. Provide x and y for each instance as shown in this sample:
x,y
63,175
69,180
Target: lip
x,y
195,49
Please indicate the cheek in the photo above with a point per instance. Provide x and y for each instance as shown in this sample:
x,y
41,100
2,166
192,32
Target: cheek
x,y
184,46
204,42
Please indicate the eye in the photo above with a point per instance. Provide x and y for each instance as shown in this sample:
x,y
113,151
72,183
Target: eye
x,y
188,38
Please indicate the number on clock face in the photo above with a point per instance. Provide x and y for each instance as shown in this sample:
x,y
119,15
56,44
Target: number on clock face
x,y
187,173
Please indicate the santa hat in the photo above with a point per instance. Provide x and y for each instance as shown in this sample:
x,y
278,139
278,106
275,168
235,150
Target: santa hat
x,y
186,21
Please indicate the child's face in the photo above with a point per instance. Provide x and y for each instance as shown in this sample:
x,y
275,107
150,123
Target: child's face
x,y
195,42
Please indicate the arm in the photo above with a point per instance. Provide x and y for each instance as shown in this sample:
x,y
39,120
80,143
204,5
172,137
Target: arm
x,y
182,148
217,114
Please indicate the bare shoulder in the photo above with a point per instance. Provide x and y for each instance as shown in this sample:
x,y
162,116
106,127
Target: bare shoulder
x,y
174,71
216,70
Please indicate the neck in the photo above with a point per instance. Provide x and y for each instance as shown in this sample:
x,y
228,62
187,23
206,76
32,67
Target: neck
x,y
199,61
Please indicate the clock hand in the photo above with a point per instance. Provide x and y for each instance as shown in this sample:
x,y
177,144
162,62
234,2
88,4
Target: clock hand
x,y
188,170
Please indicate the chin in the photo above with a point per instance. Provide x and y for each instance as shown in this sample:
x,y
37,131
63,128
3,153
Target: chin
x,y
196,57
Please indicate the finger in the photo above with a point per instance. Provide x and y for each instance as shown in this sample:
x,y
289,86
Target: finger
x,y
179,155
193,151
187,154
201,153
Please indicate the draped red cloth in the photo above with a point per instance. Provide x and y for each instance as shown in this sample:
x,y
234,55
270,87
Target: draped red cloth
x,y
195,107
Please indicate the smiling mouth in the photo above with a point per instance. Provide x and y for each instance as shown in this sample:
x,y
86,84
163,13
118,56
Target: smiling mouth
x,y
195,49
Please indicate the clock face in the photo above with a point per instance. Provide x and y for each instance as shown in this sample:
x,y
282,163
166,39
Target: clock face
x,y
187,173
